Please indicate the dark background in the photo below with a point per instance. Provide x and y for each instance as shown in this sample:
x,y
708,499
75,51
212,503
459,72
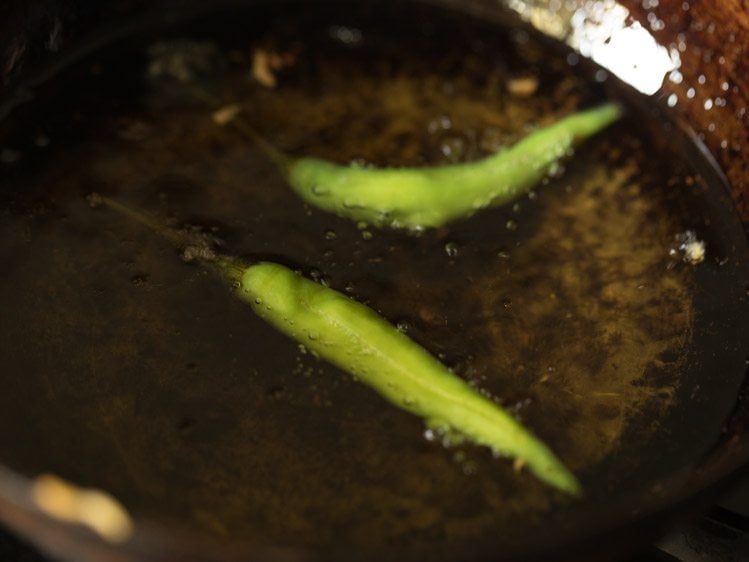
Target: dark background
x,y
31,30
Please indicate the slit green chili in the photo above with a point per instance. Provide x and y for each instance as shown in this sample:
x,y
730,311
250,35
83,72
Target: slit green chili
x,y
356,339
418,198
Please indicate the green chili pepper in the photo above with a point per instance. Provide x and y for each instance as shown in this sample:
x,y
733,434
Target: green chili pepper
x,y
356,339
418,198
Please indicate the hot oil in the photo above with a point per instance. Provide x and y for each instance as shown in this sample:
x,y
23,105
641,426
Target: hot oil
x,y
131,370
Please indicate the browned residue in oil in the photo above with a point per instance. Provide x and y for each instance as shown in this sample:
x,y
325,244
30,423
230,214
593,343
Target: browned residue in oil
x,y
610,323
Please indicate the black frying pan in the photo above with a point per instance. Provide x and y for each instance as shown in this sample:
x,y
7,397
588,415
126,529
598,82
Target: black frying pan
x,y
57,418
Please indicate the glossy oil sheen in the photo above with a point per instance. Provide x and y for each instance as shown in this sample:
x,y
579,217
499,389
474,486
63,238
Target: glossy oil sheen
x,y
128,369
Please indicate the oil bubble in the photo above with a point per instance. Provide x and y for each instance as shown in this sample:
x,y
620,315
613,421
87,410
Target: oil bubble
x,y
403,326
139,280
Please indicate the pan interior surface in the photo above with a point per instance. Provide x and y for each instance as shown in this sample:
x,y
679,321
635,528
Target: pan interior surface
x,y
128,369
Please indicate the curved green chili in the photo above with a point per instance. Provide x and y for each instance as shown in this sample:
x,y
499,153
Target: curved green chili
x,y
417,198
353,337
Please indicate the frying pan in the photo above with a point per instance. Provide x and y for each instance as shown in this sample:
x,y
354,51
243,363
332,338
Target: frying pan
x,y
627,518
